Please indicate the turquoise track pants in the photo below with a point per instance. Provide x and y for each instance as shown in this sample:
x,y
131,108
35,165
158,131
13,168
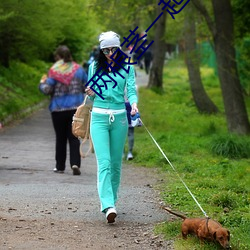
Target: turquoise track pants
x,y
108,136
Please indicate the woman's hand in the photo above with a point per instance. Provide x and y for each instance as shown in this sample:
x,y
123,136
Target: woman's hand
x,y
43,79
89,91
134,109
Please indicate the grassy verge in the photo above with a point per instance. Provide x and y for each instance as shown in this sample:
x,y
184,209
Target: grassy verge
x,y
19,88
212,163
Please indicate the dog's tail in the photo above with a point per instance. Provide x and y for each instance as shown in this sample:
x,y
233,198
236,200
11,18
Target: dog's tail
x,y
175,213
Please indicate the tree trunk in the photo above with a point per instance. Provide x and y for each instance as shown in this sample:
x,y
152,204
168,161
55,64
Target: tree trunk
x,y
201,99
223,37
156,72
235,109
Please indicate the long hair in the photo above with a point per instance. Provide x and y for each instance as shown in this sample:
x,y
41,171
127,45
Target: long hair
x,y
63,52
101,61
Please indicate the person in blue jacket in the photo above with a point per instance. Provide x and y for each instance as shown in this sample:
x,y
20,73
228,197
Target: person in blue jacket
x,y
65,83
109,124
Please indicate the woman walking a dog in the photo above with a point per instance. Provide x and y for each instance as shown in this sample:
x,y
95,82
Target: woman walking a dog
x,y
109,123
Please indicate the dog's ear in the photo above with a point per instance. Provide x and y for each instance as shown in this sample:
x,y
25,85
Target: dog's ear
x,y
214,235
228,237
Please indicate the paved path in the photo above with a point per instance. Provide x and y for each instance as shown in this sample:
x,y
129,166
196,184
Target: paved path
x,y
30,192
27,160
26,163
141,78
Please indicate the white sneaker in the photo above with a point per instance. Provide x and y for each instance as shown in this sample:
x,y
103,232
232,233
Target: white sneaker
x,y
111,214
130,156
58,171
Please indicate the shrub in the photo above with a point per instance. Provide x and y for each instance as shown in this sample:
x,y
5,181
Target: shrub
x,y
224,200
231,146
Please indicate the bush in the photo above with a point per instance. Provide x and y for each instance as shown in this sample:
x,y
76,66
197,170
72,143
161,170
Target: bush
x,y
231,146
224,200
19,88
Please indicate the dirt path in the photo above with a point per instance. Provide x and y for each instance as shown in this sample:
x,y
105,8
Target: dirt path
x,y
43,210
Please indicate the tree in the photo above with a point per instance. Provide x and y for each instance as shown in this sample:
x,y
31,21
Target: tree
x,y
156,72
28,33
223,37
122,16
201,99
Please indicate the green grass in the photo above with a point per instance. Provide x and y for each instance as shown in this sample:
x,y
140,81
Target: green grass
x,y
214,164
19,87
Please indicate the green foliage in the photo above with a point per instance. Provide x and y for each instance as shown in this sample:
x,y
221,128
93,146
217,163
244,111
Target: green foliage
x,y
28,33
175,28
242,35
125,15
219,183
19,87
241,17
231,146
243,60
224,200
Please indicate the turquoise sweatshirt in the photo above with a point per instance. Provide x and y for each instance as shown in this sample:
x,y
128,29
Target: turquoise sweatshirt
x,y
113,97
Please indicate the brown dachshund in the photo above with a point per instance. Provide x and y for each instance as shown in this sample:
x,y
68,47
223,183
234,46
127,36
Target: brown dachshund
x,y
204,229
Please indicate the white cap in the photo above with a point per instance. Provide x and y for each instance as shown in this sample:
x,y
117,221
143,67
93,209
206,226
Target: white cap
x,y
109,39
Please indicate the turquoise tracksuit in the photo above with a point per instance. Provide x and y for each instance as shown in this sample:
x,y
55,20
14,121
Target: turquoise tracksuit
x,y
108,131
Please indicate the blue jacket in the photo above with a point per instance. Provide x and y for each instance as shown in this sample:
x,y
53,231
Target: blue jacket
x,y
65,97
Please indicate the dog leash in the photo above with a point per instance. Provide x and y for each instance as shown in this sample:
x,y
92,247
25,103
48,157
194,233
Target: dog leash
x,y
174,170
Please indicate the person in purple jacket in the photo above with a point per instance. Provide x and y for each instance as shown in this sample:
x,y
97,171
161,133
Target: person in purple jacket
x,y
65,84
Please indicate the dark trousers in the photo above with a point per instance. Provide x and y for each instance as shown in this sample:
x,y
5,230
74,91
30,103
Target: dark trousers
x,y
62,122
147,65
130,129
131,139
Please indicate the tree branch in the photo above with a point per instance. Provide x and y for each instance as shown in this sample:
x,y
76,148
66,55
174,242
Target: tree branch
x,y
202,9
